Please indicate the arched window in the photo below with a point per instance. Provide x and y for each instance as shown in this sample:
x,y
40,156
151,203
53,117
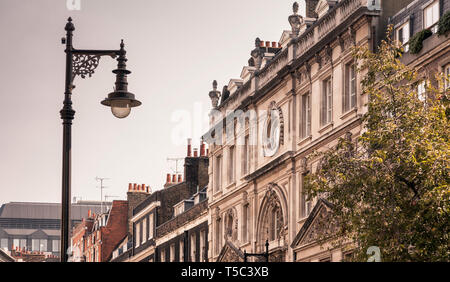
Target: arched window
x,y
271,222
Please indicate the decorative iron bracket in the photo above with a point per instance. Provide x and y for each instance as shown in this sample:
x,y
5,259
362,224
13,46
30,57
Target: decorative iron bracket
x,y
84,65
84,62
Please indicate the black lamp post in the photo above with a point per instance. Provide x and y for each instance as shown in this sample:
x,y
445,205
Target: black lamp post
x,y
83,63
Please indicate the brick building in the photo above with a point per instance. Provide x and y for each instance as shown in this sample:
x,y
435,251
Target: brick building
x,y
159,208
184,238
434,56
96,237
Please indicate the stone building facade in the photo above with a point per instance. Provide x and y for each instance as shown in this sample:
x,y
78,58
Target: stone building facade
x,y
294,97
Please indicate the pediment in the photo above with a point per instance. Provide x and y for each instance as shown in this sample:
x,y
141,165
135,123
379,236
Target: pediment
x,y
322,8
247,71
39,234
285,37
230,253
315,225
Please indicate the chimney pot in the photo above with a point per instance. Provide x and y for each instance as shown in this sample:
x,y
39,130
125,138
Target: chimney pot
x,y
168,178
143,187
174,178
202,148
261,44
195,152
267,43
130,186
180,178
134,186
189,147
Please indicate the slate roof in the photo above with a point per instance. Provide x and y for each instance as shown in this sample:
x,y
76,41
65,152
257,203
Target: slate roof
x,y
46,210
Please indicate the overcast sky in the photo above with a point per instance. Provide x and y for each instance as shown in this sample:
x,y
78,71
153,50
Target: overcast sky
x,y
175,50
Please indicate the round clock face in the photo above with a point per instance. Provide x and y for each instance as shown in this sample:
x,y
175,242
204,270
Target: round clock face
x,y
271,134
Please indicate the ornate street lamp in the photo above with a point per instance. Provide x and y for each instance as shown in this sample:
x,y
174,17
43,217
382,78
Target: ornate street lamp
x,y
83,63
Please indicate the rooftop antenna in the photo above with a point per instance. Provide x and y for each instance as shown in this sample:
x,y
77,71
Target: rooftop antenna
x,y
176,160
101,190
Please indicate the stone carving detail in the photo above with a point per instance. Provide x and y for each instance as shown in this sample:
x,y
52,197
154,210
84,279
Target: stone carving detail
x,y
327,55
230,256
231,225
352,34
257,54
304,165
230,253
214,95
303,73
245,198
319,227
295,20
217,212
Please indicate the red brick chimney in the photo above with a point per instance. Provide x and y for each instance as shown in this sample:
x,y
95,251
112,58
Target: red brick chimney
x,y
202,149
195,152
189,147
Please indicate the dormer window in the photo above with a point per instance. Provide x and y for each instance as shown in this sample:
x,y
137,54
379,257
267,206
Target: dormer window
x,y
322,8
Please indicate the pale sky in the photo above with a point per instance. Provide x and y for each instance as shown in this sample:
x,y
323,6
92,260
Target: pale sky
x,y
175,49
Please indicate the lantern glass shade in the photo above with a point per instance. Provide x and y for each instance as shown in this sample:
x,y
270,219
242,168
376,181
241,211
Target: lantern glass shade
x,y
121,103
120,108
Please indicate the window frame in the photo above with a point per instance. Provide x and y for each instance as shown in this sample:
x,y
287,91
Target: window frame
x,y
326,109
218,171
432,25
405,39
446,71
306,115
231,164
349,99
422,90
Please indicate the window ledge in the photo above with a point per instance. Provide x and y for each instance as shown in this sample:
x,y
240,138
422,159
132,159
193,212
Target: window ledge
x,y
326,127
229,186
348,113
305,140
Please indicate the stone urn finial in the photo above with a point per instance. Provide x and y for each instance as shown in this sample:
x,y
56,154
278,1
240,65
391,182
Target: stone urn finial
x,y
214,95
295,20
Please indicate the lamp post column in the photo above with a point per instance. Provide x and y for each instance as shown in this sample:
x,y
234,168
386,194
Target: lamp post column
x,y
67,115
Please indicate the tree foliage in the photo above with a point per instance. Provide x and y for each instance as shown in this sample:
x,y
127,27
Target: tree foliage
x,y
389,187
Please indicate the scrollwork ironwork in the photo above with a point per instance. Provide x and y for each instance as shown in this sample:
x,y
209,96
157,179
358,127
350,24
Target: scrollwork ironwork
x,y
84,65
